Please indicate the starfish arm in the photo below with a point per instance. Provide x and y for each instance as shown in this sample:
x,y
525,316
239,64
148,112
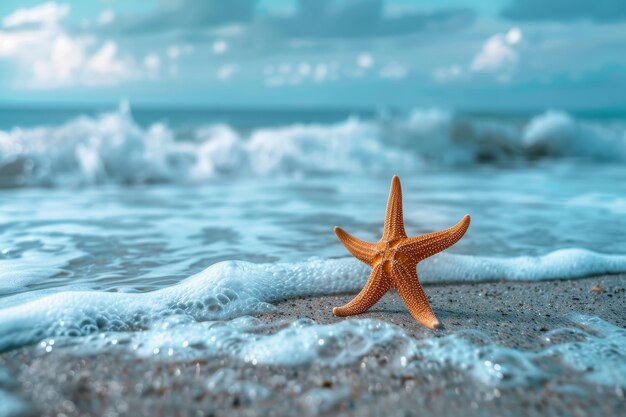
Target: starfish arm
x,y
421,247
362,250
404,278
377,285
394,220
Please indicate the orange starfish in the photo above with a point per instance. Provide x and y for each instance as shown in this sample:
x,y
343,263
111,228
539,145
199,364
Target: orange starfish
x,y
394,259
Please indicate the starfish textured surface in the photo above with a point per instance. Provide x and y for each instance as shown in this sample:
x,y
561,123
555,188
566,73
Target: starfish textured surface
x,y
394,260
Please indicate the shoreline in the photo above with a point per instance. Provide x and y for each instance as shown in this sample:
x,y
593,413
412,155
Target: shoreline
x,y
483,305
512,314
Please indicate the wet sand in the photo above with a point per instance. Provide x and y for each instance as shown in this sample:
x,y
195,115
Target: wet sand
x,y
512,314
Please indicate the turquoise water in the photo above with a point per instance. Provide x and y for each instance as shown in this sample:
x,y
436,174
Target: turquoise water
x,y
97,208
141,238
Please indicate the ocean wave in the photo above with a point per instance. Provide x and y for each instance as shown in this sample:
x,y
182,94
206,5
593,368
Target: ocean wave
x,y
113,148
232,289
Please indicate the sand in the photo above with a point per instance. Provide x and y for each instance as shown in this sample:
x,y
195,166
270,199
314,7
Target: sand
x,y
512,314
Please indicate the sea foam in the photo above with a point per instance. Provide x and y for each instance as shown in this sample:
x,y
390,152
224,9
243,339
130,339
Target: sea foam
x,y
113,148
232,289
598,354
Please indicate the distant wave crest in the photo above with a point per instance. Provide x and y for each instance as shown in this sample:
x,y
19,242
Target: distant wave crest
x,y
113,148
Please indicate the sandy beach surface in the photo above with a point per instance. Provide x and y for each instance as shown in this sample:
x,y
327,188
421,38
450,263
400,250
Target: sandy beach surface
x,y
516,315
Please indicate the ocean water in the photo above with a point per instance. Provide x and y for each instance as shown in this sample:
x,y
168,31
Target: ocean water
x,y
186,225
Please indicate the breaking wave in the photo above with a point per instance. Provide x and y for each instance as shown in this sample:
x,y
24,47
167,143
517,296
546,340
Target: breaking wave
x,y
113,148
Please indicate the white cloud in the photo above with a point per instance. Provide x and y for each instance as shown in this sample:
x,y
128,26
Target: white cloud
x,y
219,47
498,53
106,62
46,14
365,60
173,52
304,69
320,74
296,73
394,71
225,72
152,62
450,73
514,36
106,17
70,64
49,57
66,56
498,57
13,44
288,74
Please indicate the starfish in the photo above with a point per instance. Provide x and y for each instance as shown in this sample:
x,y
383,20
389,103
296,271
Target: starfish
x,y
394,260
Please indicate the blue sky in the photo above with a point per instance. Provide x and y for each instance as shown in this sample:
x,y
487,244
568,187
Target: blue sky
x,y
490,55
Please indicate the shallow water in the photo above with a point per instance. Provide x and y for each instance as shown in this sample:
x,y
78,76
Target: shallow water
x,y
144,238
104,204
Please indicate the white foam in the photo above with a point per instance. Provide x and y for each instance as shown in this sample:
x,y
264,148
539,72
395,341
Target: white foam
x,y
302,342
224,290
599,355
350,146
233,289
112,148
557,134
561,264
602,355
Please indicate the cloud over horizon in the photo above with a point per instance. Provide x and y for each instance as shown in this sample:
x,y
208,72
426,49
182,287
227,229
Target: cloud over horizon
x,y
365,52
50,57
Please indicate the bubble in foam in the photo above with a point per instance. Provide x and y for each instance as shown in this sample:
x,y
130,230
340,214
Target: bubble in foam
x,y
599,358
233,289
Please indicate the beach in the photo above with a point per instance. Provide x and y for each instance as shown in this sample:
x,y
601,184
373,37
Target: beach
x,y
519,316
164,268
312,208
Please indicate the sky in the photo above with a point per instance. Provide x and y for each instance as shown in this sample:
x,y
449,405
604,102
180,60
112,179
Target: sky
x,y
491,55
